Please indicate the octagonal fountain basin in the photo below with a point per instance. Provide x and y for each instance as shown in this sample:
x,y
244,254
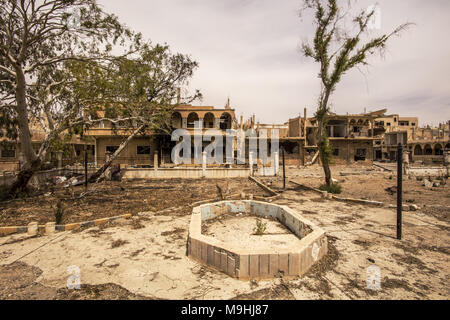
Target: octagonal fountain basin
x,y
224,235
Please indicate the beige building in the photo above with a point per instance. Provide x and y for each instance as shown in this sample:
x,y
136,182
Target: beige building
x,y
140,151
69,152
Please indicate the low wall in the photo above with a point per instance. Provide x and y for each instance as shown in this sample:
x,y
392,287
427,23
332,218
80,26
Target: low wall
x,y
245,263
184,173
427,171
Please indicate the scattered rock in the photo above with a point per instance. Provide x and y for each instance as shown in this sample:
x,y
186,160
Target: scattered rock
x,y
413,207
427,183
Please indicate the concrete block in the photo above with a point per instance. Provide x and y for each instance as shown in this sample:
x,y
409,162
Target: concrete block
x,y
210,255
283,263
217,255
243,266
264,265
49,228
223,261
273,264
294,264
204,251
231,266
254,266
33,228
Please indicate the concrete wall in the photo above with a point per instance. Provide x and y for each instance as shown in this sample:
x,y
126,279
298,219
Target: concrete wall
x,y
184,173
427,171
348,148
129,155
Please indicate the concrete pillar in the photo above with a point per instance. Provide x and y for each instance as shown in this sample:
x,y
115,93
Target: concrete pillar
x,y
250,162
32,228
49,228
204,164
59,157
184,123
276,165
217,123
301,152
405,160
200,123
155,161
304,123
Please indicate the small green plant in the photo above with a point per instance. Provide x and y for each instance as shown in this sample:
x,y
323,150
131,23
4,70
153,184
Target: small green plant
x,y
260,227
59,212
334,188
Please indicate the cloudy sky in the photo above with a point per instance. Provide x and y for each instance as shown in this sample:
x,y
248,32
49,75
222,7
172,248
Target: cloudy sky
x,y
249,50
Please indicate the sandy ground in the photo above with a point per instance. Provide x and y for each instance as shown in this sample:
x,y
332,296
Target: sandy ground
x,y
240,231
145,257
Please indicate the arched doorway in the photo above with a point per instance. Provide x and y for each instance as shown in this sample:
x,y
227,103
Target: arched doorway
x,y
176,120
191,119
428,151
225,121
208,120
418,150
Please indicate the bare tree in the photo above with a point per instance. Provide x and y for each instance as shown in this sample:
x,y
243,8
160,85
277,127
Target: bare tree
x,y
338,51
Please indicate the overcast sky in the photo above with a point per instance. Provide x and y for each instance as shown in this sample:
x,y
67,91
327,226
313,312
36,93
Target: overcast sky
x,y
249,50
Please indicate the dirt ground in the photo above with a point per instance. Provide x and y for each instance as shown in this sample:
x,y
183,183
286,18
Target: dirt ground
x,y
116,198
368,183
145,257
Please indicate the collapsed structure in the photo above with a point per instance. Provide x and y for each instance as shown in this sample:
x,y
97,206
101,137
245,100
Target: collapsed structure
x,y
353,137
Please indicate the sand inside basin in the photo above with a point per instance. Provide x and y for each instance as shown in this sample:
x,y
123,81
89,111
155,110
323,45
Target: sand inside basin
x,y
239,232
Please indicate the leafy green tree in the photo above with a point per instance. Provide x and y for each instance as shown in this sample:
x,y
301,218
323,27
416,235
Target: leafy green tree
x,y
338,50
37,37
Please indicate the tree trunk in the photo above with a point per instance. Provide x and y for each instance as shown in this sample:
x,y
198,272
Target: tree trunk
x,y
32,161
95,176
323,142
323,145
24,176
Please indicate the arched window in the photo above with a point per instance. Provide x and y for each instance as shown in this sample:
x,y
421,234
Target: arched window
x,y
447,146
438,150
418,150
176,120
192,118
208,121
428,151
225,121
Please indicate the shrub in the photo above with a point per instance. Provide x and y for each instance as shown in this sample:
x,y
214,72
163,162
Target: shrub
x,y
260,227
334,188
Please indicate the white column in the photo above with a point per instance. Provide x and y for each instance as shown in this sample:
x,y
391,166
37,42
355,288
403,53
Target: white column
x,y
204,163
250,162
276,165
